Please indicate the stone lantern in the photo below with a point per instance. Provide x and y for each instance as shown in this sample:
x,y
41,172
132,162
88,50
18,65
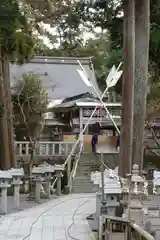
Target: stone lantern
x,y
17,175
112,190
137,182
5,179
38,173
48,171
135,208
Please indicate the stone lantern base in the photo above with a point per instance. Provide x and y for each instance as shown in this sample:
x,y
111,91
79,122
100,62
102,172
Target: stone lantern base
x,y
136,212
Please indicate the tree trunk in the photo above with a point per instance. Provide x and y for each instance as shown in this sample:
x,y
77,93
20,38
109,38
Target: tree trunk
x,y
4,141
127,89
8,107
141,76
32,153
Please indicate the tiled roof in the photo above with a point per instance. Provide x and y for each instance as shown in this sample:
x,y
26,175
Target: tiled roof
x,y
62,77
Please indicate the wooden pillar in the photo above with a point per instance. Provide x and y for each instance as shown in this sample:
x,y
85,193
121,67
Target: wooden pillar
x,y
127,88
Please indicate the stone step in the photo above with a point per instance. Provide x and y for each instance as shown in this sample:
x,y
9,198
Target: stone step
x,y
87,168
88,180
83,180
83,188
75,189
83,184
89,185
88,165
83,191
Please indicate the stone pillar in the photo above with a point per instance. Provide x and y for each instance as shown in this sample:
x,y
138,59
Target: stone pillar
x,y
16,195
81,124
4,199
58,190
17,174
5,178
58,170
135,208
48,188
136,212
150,181
98,204
68,168
38,182
26,186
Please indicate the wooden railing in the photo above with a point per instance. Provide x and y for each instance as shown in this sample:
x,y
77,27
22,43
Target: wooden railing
x,y
138,233
111,226
44,148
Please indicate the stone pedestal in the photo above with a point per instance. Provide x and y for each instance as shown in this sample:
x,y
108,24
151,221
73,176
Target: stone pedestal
x,y
5,178
4,199
26,186
38,181
16,195
47,187
98,204
150,177
138,188
58,170
17,174
58,189
136,212
38,174
112,191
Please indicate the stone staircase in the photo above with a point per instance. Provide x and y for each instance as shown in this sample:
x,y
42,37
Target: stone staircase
x,y
89,163
82,183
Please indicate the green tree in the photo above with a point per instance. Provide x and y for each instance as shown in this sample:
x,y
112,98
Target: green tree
x,y
30,102
16,44
153,112
16,35
108,15
19,27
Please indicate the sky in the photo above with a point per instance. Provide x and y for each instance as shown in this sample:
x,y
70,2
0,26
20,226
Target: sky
x,y
47,27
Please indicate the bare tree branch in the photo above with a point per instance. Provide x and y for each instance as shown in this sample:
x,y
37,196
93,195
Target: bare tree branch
x,y
150,127
152,151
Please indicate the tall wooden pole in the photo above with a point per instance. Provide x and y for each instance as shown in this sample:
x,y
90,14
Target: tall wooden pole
x,y
142,29
127,88
9,115
4,143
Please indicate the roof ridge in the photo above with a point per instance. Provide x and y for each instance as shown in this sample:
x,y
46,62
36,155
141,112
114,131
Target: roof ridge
x,y
67,58
61,60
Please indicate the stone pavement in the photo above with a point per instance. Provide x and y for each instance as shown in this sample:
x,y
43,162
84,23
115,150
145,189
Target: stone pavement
x,y
153,205
63,218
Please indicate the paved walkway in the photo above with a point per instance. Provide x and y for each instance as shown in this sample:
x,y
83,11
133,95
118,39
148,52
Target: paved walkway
x,y
63,218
